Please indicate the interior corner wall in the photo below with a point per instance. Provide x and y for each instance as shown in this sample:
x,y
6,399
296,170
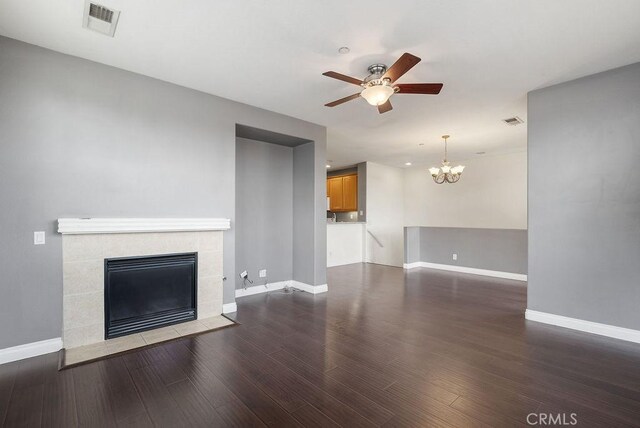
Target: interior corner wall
x,y
81,139
264,211
584,198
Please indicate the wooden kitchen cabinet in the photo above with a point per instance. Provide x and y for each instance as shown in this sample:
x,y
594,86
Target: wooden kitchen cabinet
x,y
343,193
350,192
335,193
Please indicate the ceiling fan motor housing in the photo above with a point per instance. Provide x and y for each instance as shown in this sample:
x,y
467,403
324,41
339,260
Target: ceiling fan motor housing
x,y
375,78
377,70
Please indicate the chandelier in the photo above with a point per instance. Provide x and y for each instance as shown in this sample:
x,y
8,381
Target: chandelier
x,y
446,173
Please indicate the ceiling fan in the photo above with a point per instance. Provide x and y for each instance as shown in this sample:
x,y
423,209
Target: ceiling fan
x,y
380,84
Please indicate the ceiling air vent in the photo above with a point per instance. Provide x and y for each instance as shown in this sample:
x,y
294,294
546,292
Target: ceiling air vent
x,y
515,120
100,18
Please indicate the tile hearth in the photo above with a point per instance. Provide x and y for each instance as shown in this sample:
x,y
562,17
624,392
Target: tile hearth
x,y
126,343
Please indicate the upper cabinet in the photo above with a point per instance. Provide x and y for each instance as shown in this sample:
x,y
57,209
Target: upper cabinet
x,y
343,193
350,192
335,193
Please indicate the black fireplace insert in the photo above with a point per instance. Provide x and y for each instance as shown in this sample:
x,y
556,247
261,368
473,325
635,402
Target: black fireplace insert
x,y
143,293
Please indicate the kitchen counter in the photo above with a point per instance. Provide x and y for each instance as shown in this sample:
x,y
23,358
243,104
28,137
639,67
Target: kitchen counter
x,y
346,222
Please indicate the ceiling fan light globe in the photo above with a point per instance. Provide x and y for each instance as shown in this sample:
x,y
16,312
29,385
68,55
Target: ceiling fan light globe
x,y
377,95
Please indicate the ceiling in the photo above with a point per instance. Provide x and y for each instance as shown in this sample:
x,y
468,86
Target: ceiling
x,y
271,54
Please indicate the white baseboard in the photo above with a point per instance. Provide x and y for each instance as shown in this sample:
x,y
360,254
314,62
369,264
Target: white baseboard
x,y
229,308
586,326
29,350
313,289
412,265
257,289
462,269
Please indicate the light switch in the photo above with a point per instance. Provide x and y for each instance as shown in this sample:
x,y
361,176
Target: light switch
x,y
38,238
262,273
455,256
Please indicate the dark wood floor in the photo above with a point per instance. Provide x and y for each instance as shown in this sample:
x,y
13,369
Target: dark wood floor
x,y
382,348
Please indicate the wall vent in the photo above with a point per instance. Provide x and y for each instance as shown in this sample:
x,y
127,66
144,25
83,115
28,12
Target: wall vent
x,y
100,12
515,120
100,18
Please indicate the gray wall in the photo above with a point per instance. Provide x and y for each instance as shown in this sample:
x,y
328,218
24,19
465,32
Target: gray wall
x,y
81,139
303,265
264,211
319,201
584,198
503,250
412,244
362,191
352,170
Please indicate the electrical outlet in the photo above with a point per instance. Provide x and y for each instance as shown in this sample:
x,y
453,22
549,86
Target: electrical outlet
x,y
38,238
262,273
455,256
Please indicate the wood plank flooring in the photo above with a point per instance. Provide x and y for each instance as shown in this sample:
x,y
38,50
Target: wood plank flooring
x,y
384,347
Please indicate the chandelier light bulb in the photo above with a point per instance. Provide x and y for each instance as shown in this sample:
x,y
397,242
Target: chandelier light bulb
x,y
434,171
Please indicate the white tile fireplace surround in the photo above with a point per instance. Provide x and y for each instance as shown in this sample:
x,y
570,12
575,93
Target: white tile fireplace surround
x,y
86,243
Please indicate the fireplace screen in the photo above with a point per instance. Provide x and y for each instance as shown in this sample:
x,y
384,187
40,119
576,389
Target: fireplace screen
x,y
143,293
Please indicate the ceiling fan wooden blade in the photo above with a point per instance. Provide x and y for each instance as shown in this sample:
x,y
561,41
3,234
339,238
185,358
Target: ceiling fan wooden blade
x,y
343,100
419,88
405,63
343,77
383,108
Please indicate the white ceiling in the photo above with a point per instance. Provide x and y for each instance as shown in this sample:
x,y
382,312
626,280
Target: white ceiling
x,y
271,53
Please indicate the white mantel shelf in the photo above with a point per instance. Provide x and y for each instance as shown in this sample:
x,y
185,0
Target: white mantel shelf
x,y
79,226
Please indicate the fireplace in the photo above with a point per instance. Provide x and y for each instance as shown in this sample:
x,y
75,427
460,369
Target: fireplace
x,y
143,293
88,242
